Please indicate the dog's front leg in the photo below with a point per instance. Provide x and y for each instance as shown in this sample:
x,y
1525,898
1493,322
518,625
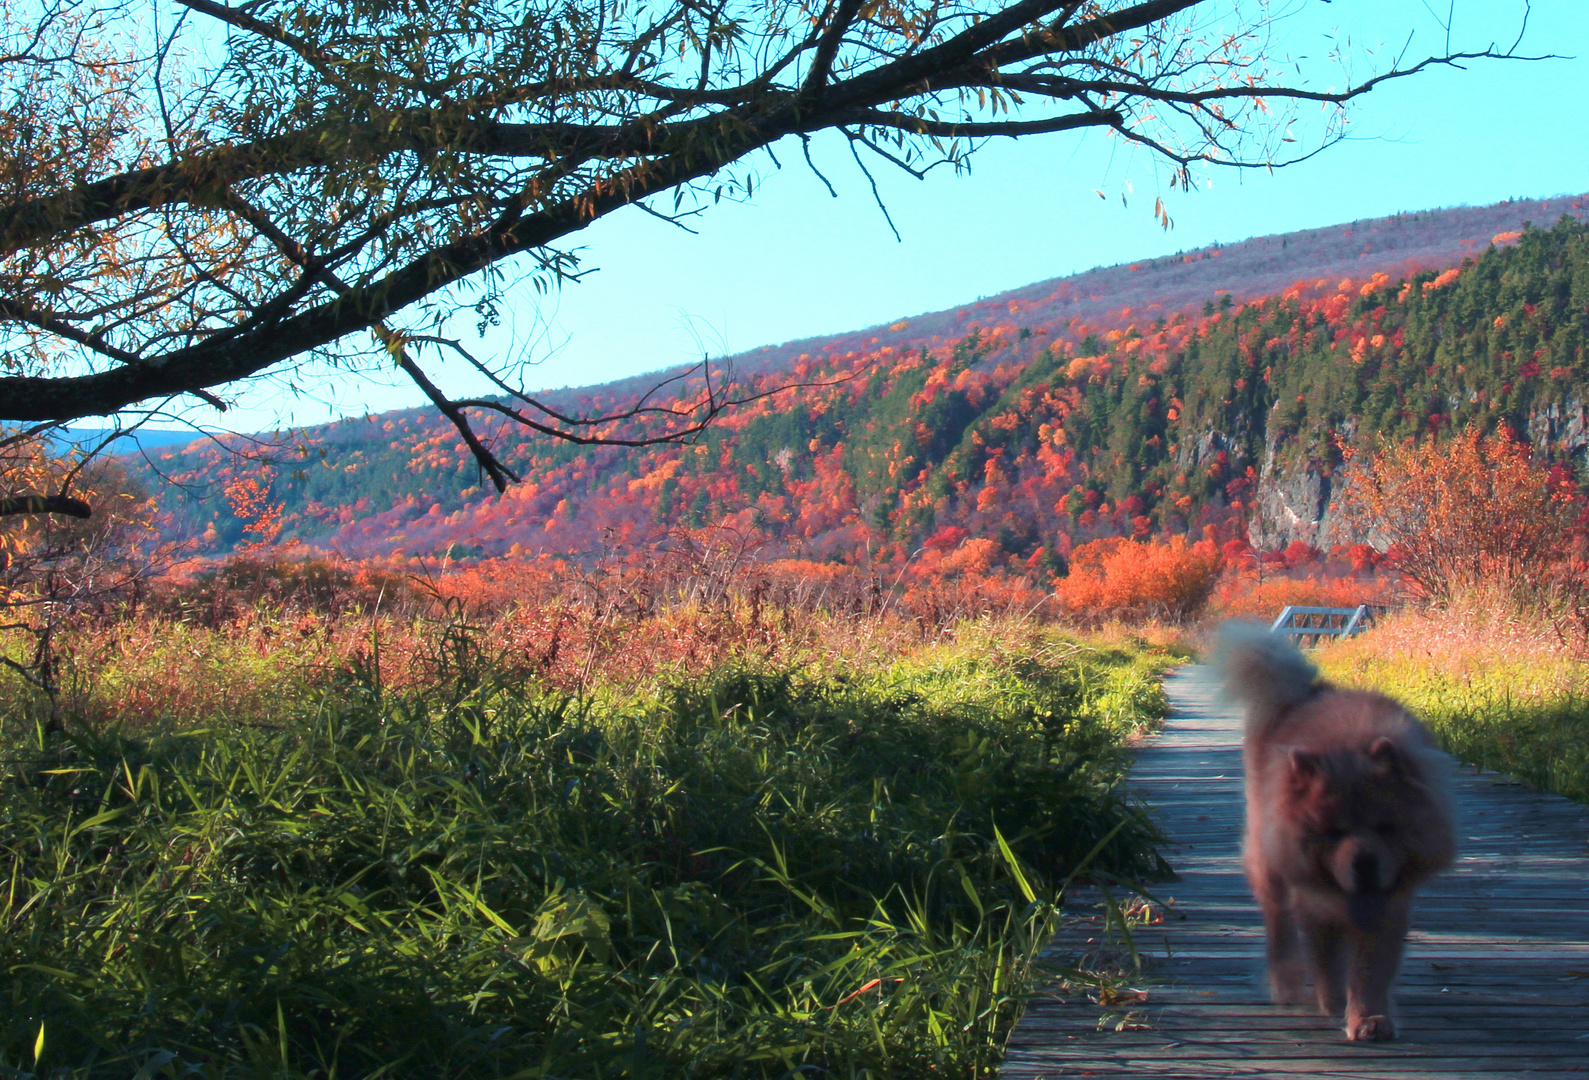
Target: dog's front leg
x,y
1284,946
1326,945
1376,955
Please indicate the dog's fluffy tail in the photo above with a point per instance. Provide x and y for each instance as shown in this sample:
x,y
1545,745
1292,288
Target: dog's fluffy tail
x,y
1264,672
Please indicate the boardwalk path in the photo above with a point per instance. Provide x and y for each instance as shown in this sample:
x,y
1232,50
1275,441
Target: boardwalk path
x,y
1496,980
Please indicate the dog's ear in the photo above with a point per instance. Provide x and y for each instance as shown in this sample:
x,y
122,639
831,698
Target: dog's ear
x,y
1387,757
1305,764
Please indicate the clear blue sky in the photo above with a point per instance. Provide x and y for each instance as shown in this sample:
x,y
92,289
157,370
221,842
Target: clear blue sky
x,y
795,262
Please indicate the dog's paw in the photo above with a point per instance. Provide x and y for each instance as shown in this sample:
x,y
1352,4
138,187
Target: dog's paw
x,y
1370,1028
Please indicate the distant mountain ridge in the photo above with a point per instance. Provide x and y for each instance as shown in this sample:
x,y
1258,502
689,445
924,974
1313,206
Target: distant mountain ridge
x,y
1399,244
145,438
1211,389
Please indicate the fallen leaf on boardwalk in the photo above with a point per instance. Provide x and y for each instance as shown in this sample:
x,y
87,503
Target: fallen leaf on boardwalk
x,y
1111,995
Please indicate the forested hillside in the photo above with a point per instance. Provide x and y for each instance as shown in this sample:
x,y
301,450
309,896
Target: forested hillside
x,y
1034,430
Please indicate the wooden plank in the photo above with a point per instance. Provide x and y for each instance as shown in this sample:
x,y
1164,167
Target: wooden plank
x,y
1496,981
1308,1044
1453,1068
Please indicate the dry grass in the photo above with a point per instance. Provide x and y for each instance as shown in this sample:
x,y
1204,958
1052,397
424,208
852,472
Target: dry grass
x,y
165,672
1478,636
227,640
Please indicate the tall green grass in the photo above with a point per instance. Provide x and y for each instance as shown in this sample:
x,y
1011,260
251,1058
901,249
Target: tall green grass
x,y
759,873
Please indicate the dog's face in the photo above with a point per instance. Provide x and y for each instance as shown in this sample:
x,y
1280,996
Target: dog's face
x,y
1365,819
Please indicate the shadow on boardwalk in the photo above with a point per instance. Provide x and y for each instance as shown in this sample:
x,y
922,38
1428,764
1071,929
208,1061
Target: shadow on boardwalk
x,y
1496,980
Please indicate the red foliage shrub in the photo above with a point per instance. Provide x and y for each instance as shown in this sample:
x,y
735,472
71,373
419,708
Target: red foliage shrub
x,y
1299,553
1361,556
947,538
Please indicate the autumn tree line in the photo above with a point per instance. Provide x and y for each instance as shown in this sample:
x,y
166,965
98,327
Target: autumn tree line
x,y
1027,442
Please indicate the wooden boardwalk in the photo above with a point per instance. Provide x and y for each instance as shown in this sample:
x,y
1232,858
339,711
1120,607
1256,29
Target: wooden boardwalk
x,y
1495,983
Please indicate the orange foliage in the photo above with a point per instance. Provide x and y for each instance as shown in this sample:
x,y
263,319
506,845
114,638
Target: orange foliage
x,y
250,503
70,557
976,556
937,605
1116,577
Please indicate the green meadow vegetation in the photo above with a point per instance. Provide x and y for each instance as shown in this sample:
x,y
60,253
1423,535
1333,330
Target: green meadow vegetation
x,y
1503,720
840,867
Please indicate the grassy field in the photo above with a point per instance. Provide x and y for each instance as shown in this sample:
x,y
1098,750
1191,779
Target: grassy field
x,y
824,866
1500,691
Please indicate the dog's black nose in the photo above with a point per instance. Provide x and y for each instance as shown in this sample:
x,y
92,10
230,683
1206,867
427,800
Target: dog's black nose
x,y
1365,871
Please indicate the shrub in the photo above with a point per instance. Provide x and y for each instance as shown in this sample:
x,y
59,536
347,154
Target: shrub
x,y
219,593
1463,511
1116,577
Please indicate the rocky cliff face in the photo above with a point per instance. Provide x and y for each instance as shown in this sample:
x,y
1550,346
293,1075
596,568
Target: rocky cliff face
x,y
1561,428
1293,502
1297,495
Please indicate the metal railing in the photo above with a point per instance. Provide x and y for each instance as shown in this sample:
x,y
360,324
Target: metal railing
x,y
1314,623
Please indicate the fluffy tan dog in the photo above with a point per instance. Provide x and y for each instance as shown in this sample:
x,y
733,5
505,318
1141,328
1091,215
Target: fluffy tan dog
x,y
1347,814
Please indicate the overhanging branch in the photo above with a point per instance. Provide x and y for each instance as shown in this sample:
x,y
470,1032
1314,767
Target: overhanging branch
x,y
45,504
920,125
547,154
